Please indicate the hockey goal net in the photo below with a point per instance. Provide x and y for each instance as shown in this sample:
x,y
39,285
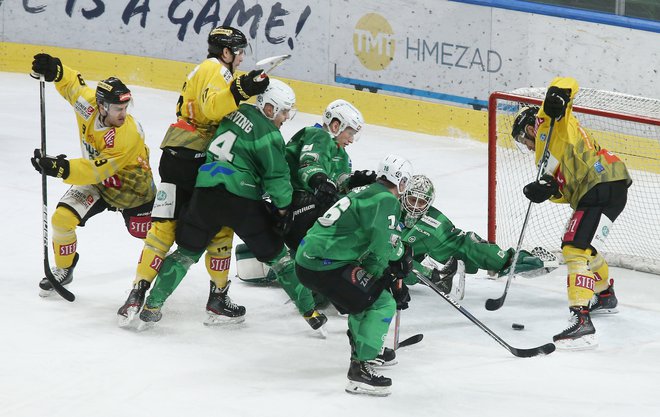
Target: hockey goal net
x,y
627,125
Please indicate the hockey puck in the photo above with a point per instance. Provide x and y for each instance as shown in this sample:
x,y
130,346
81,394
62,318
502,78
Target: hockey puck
x,y
517,326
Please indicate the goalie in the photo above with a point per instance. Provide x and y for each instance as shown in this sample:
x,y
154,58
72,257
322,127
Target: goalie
x,y
430,233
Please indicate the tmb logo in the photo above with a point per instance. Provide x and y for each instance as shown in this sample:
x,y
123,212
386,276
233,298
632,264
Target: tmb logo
x,y
373,42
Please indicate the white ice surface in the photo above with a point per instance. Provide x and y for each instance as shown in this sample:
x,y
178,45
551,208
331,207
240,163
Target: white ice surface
x,y
70,359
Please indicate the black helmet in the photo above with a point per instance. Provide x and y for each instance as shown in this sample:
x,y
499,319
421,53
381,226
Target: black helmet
x,y
112,91
226,37
526,116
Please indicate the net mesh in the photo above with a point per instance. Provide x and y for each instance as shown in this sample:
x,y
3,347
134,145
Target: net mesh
x,y
633,241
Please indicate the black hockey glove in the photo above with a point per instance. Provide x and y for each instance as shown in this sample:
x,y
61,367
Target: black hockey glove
x,y
55,167
281,222
556,101
245,86
325,191
443,278
49,66
401,295
402,267
541,190
360,178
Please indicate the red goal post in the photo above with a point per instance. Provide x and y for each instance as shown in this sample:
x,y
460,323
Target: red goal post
x,y
626,125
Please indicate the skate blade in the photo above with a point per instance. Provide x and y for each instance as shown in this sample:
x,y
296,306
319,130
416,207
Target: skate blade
x,y
48,293
125,321
382,363
144,326
322,332
587,342
220,320
603,311
359,388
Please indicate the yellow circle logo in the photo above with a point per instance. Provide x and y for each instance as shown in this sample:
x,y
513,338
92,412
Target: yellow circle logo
x,y
373,42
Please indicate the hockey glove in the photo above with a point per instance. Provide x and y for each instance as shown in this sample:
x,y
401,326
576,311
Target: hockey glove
x,y
541,190
55,167
402,267
325,190
49,66
281,221
245,86
401,295
443,278
556,101
526,262
361,178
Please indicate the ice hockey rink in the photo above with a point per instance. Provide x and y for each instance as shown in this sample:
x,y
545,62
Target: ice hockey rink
x,y
71,359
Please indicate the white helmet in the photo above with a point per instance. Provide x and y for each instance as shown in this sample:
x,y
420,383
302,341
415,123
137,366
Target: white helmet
x,y
280,96
396,170
347,115
417,199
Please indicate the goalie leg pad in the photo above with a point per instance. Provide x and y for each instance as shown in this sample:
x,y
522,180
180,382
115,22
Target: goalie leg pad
x,y
251,270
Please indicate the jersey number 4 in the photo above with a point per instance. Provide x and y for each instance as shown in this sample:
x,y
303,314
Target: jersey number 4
x,y
221,146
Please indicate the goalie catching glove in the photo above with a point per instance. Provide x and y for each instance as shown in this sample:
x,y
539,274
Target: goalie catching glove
x,y
57,167
530,264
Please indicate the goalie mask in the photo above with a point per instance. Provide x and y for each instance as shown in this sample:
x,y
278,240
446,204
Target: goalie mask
x,y
396,170
346,114
417,199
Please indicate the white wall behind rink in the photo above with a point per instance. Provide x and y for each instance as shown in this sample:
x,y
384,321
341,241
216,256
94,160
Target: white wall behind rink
x,y
431,50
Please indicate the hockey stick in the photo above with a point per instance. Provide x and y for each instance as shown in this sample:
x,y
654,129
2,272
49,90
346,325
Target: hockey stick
x,y
275,61
397,323
57,286
495,303
521,353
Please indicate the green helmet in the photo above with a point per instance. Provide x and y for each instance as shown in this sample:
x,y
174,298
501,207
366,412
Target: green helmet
x,y
417,199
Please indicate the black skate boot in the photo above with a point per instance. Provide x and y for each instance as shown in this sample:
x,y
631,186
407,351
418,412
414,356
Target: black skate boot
x,y
63,275
362,379
387,357
220,309
315,319
604,302
580,334
133,304
444,277
149,316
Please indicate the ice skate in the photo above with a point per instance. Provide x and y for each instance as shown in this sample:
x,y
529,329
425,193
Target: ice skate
x,y
133,304
604,302
220,309
317,322
580,334
362,379
63,275
387,357
149,316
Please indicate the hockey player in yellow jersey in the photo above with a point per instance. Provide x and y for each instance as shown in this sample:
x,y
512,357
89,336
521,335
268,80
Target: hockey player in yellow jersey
x,y
114,172
210,92
594,182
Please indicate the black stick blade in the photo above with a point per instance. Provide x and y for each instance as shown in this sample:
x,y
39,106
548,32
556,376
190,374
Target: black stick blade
x,y
411,340
546,349
493,304
63,292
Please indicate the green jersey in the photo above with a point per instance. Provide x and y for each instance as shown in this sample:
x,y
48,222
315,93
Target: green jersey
x,y
313,150
247,157
434,234
360,228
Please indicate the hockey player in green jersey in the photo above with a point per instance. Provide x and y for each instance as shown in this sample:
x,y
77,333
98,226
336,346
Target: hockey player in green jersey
x,y
431,233
345,255
245,160
210,92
